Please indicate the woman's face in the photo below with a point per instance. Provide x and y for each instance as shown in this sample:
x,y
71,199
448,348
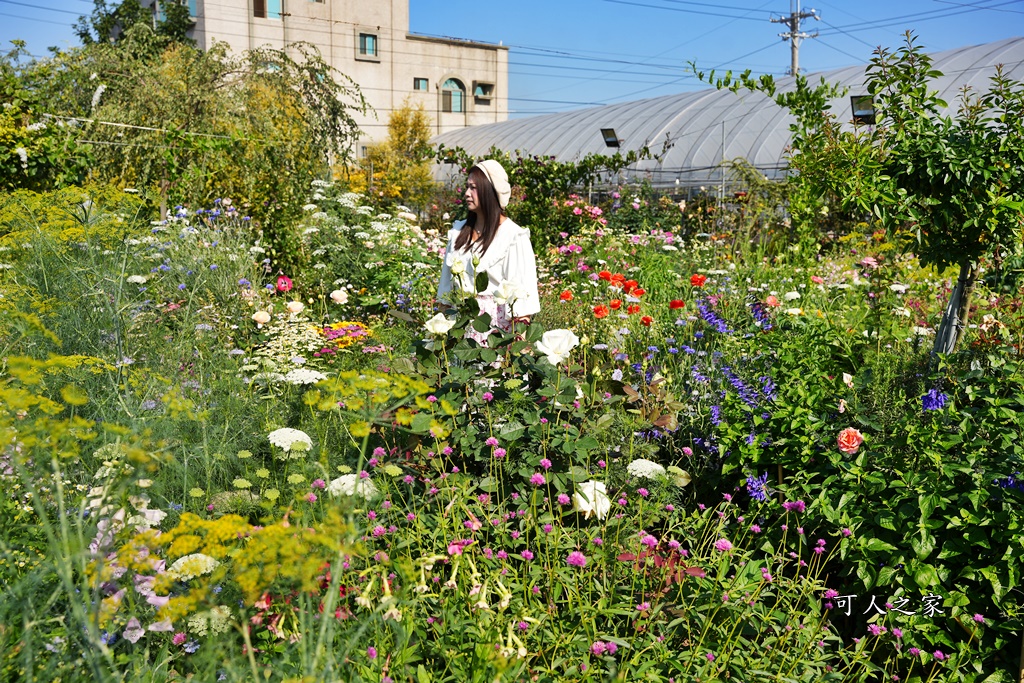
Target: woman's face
x,y
472,200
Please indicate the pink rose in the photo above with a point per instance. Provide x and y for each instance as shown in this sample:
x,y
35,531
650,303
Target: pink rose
x,y
850,440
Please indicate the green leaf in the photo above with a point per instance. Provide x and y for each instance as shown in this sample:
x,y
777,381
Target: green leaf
x,y
481,281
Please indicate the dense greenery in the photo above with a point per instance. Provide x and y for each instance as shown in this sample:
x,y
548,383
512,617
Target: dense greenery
x,y
244,442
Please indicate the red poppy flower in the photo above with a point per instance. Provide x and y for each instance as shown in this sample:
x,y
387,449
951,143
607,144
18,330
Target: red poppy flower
x,y
284,283
629,285
605,275
617,278
676,303
698,280
600,311
565,296
633,309
616,304
638,292
646,321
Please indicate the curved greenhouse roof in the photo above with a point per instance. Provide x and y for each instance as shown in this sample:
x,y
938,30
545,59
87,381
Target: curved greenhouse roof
x,y
707,126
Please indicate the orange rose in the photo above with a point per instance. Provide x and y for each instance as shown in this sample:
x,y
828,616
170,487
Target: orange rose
x,y
850,440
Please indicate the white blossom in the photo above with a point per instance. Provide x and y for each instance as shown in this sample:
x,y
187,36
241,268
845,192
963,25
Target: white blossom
x,y
648,469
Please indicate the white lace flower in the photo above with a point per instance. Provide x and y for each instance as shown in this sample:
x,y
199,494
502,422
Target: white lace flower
x,y
791,296
137,279
288,439
648,469
191,566
304,376
352,485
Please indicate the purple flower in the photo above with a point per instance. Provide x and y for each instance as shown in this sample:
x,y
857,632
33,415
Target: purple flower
x,y
795,506
491,441
576,559
934,400
598,648
545,463
597,541
488,396
319,484
537,479
643,607
371,652
499,453
939,655
563,499
526,555
611,648
980,618
723,545
643,492
547,528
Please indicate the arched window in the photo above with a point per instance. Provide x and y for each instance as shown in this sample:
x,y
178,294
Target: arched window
x,y
453,96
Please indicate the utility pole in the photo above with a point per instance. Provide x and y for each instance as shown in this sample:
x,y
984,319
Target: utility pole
x,y
794,34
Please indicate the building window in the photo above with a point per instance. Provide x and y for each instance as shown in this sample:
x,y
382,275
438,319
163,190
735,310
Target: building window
x,y
420,84
367,45
193,10
453,97
483,92
266,9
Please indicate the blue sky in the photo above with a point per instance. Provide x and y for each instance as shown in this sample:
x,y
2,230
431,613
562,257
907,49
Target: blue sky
x,y
567,54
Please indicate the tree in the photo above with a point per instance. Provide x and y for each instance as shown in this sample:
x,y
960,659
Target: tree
x,y
399,167
196,125
949,186
110,23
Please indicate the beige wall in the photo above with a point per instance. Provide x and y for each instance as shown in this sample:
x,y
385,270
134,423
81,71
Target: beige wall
x,y
333,26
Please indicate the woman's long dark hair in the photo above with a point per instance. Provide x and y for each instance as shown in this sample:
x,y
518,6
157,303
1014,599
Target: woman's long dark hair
x,y
486,218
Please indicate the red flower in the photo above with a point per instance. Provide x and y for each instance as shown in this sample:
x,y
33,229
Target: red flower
x,y
646,321
600,311
284,283
565,296
617,279
616,304
630,285
633,309
605,275
638,292
698,280
676,303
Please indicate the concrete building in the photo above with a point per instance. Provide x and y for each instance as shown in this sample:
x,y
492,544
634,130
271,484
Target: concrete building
x,y
459,82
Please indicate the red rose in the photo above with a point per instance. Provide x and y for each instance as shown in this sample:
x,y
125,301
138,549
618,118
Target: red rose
x,y
676,303
284,283
849,440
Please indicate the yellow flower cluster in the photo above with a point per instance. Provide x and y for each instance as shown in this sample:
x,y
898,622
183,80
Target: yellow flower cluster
x,y
214,537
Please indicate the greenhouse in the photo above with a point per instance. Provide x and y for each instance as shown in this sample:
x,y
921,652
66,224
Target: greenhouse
x,y
697,130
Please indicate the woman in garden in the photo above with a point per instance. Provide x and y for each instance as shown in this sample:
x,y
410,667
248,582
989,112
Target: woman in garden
x,y
489,241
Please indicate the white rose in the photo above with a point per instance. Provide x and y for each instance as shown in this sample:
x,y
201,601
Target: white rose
x,y
556,345
261,318
458,266
439,324
591,498
339,296
295,306
507,292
